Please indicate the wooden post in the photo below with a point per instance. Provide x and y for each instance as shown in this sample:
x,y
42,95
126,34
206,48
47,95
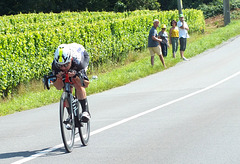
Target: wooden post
x,y
179,3
226,11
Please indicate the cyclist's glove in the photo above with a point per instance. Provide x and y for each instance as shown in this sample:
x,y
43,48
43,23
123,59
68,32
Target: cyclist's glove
x,y
81,76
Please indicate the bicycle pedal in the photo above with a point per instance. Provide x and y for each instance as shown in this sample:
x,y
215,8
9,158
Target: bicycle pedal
x,y
77,123
84,119
68,127
67,123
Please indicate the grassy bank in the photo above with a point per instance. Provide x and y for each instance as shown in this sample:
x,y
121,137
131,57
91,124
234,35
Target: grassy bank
x,y
138,65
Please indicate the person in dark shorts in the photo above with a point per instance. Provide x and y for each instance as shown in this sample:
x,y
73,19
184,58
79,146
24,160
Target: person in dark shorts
x,y
72,58
183,35
164,43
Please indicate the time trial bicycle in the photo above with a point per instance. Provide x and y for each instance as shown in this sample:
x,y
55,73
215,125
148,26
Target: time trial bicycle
x,y
70,113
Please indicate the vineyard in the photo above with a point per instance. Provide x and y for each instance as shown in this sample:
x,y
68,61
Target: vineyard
x,y
28,41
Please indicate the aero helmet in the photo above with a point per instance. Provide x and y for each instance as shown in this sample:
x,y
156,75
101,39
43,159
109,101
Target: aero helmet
x,y
62,54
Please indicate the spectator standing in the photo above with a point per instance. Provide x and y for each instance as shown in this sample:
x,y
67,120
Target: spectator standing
x,y
153,43
174,35
183,35
164,43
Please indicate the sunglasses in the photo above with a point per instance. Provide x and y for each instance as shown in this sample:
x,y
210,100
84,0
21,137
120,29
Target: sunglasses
x,y
63,65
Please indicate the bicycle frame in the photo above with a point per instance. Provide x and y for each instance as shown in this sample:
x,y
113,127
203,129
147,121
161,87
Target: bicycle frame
x,y
74,107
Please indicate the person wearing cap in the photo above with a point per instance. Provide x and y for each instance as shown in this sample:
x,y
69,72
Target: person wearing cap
x,y
153,43
174,35
183,35
164,43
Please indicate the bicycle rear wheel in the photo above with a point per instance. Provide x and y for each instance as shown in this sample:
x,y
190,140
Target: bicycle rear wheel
x,y
67,123
84,131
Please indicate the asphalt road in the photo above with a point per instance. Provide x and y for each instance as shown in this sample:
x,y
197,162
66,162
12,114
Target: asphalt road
x,y
187,114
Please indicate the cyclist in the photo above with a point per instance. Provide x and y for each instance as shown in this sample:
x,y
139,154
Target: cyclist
x,y
72,58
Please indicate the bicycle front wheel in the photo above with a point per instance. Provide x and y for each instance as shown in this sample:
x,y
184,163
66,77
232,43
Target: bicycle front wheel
x,y
67,123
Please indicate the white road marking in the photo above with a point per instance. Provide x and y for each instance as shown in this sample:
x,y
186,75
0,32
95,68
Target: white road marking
x,y
128,119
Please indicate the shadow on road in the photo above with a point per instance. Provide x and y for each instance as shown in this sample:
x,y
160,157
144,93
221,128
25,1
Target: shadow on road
x,y
42,153
30,153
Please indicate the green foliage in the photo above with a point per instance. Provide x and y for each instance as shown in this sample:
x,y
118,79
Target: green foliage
x,y
120,7
235,14
115,77
28,41
212,9
216,7
172,4
142,4
37,6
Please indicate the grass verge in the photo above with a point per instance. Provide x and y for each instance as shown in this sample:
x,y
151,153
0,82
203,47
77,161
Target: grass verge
x,y
28,97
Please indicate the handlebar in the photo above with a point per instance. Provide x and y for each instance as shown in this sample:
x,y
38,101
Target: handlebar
x,y
48,78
